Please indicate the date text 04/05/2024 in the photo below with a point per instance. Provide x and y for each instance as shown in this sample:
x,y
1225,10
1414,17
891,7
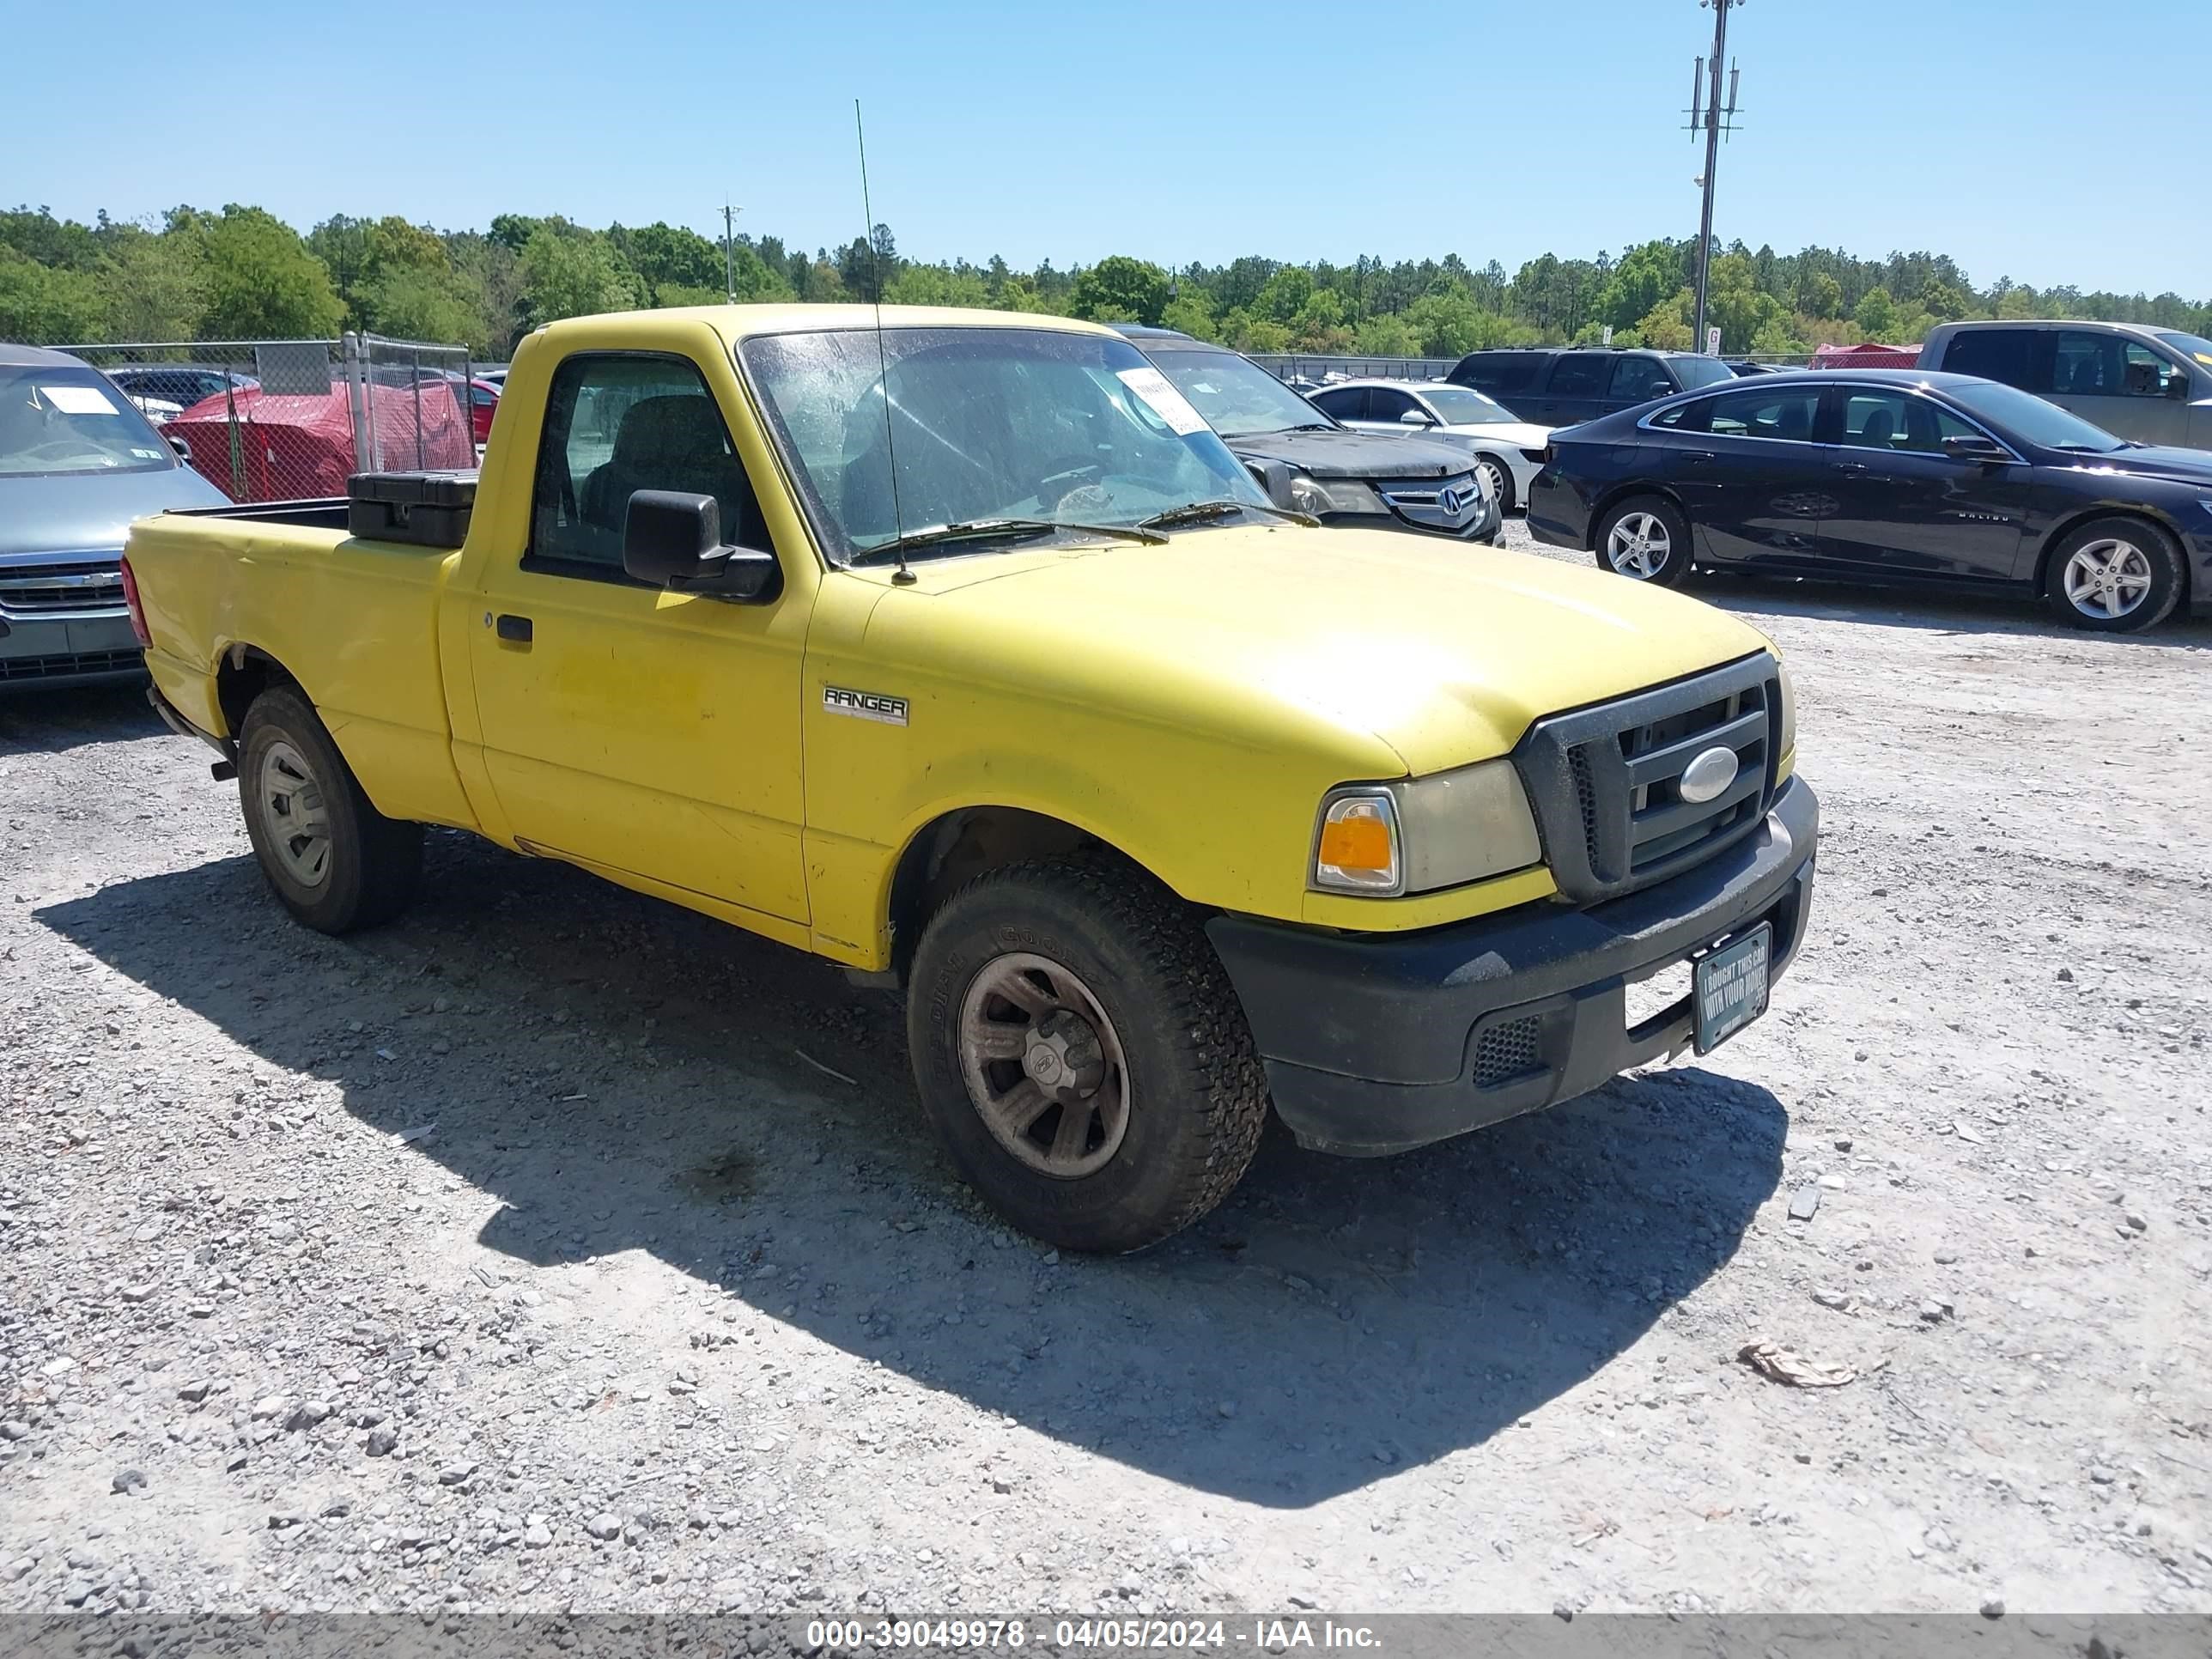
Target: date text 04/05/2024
x,y
1090,1635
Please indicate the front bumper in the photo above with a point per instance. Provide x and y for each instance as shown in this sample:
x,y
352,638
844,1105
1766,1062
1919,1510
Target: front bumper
x,y
87,647
1483,527
1379,1043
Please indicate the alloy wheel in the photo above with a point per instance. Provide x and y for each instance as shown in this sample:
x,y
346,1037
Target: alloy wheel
x,y
2107,579
1638,546
1044,1065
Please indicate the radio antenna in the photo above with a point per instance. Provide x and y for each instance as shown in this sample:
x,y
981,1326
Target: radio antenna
x,y
902,575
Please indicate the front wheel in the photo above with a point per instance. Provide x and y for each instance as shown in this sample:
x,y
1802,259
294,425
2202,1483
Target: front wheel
x,y
1498,480
1081,1054
335,862
2115,575
1645,539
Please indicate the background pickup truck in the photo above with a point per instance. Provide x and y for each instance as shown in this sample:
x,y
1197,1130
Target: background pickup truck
x,y
963,653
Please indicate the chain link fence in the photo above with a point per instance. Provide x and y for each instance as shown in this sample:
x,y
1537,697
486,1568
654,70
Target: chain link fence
x,y
286,420
1296,367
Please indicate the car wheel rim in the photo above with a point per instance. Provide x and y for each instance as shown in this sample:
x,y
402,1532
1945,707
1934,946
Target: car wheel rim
x,y
1044,1065
1493,480
1638,546
292,814
2108,579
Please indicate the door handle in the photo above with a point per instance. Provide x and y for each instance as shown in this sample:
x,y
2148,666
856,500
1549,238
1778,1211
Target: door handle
x,y
515,629
1699,457
1851,466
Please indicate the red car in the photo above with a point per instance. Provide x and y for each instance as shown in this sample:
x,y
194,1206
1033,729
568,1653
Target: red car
x,y
484,404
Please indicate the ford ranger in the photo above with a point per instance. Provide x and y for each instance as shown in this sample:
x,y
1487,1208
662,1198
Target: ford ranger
x,y
957,649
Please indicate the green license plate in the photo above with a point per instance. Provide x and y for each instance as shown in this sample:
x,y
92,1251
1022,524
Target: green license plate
x,y
1728,988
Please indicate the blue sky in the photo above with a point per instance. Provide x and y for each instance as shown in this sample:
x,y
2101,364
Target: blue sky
x,y
2040,139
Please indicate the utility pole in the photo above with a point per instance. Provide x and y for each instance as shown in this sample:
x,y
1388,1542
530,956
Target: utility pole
x,y
1709,114
729,257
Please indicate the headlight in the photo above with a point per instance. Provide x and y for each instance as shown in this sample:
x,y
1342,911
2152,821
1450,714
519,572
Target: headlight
x,y
1788,712
1338,495
1423,833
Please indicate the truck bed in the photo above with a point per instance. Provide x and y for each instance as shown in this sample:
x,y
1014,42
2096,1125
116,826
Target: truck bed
x,y
231,593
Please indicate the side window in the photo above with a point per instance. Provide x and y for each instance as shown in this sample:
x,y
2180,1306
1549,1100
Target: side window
x,y
614,425
1343,402
1385,404
1638,380
1787,415
1503,371
2145,373
1579,374
1681,417
1898,422
1995,354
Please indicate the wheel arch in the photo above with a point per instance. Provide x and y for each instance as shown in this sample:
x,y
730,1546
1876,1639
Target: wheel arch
x,y
1615,493
244,672
963,842
2058,532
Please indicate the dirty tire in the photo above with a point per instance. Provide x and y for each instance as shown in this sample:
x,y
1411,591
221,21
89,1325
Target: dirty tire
x,y
370,865
1646,539
2127,545
1197,1094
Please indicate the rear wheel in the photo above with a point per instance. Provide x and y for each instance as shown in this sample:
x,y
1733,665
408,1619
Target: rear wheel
x,y
335,861
1079,1052
2115,575
1645,539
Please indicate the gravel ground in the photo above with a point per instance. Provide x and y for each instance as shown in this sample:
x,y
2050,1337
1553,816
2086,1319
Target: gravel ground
x,y
556,1249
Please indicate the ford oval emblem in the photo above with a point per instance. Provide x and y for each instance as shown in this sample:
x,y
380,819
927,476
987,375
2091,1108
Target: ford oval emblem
x,y
1706,776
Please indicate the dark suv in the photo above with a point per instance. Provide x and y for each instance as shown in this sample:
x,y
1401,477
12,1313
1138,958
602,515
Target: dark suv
x,y
1555,386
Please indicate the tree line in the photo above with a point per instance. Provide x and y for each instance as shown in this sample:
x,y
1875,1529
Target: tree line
x,y
241,273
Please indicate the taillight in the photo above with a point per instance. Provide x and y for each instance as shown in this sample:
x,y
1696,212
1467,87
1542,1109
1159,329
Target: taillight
x,y
138,611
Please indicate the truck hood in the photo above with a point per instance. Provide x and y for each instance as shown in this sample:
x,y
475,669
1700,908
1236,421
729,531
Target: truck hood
x,y
1339,453
1445,652
89,512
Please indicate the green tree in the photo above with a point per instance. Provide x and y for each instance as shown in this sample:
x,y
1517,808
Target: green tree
x,y
1284,294
1945,302
1190,313
1118,289
47,305
429,303
1320,324
573,275
262,282
1389,336
671,254
1875,313
1667,327
1645,277
935,285
1819,294
155,287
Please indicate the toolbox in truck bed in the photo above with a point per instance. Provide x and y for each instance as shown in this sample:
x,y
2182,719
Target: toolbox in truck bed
x,y
428,509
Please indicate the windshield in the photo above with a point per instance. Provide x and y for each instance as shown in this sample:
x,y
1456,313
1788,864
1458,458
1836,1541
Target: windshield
x,y
1457,406
1237,396
2025,416
1694,372
986,423
70,419
2195,345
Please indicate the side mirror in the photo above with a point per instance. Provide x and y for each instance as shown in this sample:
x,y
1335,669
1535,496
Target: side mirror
x,y
2176,386
184,450
1974,446
673,538
1416,417
1274,477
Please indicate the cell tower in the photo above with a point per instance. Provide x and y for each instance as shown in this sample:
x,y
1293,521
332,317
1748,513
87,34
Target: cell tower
x,y
1715,120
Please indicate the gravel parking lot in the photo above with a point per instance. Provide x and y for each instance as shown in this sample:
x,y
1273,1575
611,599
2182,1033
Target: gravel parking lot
x,y
555,1248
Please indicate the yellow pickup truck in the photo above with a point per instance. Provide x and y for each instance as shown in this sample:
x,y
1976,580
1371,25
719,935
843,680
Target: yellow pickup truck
x,y
961,651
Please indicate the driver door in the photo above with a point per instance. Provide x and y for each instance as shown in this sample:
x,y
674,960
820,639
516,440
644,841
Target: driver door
x,y
638,731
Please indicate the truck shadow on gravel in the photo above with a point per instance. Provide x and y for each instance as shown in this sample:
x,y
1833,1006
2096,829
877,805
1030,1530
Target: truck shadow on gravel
x,y
621,1076
51,721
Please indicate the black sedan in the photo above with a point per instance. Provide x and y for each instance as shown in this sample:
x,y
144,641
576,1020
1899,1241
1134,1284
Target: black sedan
x,y
1887,475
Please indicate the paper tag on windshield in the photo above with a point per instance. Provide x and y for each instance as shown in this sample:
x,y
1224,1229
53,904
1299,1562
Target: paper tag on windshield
x,y
1170,405
78,400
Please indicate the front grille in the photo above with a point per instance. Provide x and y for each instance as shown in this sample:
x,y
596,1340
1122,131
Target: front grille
x,y
1506,1050
59,668
25,592
1606,782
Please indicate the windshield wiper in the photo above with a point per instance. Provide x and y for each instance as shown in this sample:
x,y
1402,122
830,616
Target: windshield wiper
x,y
937,535
2088,449
1202,511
